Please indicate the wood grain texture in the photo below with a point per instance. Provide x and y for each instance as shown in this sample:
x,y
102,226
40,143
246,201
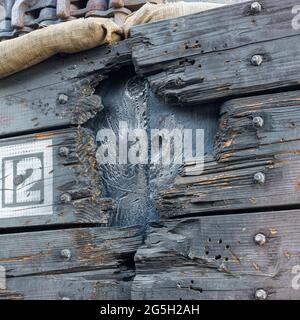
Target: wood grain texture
x,y
216,258
241,150
39,253
100,285
239,138
74,175
29,100
231,186
190,60
100,265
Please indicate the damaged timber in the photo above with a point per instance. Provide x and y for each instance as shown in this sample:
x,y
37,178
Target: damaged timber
x,y
191,60
255,163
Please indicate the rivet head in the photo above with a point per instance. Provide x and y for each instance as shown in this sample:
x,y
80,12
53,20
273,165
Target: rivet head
x,y
257,60
261,294
258,122
18,180
63,98
255,7
260,239
63,151
65,198
66,254
259,177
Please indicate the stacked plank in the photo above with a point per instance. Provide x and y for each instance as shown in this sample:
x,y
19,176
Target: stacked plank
x,y
244,150
55,239
253,173
221,53
236,256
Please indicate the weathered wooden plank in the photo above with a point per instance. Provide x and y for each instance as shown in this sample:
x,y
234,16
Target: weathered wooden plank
x,y
259,126
81,286
217,258
196,61
233,186
256,135
59,91
43,253
51,178
86,263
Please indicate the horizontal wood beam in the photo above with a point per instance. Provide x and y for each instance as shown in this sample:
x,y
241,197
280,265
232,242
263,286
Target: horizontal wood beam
x,y
58,92
86,263
258,127
254,165
208,56
220,257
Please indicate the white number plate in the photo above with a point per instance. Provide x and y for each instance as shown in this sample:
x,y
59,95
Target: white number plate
x,y
26,179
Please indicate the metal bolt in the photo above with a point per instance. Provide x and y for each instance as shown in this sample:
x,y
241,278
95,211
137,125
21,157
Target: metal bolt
x,y
63,98
65,198
258,122
63,151
255,7
66,254
257,60
18,180
261,294
260,239
259,177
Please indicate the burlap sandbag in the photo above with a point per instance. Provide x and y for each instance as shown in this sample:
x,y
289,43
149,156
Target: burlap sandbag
x,y
155,12
69,37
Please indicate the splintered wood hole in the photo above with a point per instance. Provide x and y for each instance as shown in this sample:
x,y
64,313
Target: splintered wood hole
x,y
227,246
209,239
220,241
218,257
226,259
207,253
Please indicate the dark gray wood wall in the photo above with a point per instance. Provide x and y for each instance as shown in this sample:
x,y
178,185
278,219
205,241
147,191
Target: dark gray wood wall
x,y
79,250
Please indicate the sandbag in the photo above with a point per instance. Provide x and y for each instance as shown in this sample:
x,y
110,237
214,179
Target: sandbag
x,y
69,37
155,12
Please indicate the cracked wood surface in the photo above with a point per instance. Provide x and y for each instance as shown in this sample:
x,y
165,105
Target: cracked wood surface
x,y
241,150
216,258
98,285
192,60
29,100
238,138
99,267
74,174
231,186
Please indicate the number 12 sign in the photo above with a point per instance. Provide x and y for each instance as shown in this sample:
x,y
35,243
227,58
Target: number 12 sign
x,y
26,179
